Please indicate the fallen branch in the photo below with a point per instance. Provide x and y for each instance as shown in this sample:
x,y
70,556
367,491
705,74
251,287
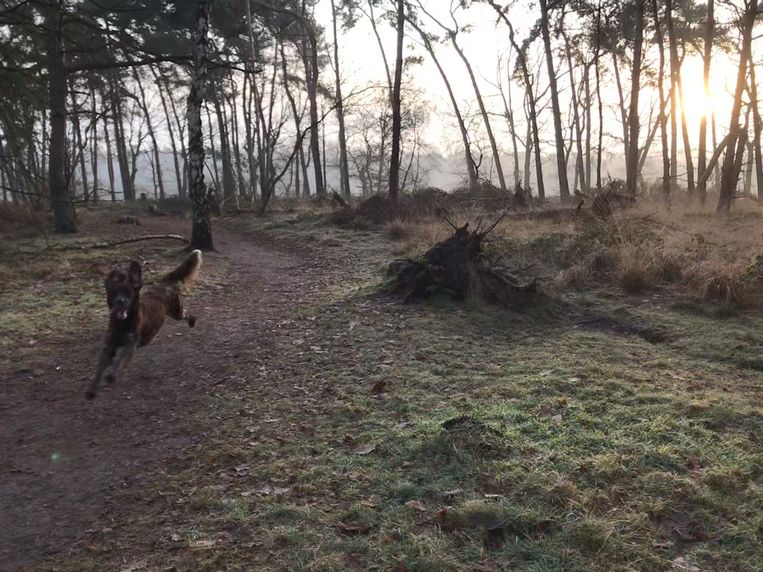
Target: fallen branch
x,y
104,245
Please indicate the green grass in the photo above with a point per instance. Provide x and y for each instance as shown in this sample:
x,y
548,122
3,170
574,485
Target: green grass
x,y
502,441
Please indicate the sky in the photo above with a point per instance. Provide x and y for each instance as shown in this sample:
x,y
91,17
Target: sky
x,y
484,45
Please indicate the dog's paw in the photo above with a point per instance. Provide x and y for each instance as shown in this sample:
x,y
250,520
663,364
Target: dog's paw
x,y
191,321
90,395
109,376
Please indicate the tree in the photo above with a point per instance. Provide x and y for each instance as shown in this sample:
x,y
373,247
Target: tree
x,y
707,60
201,231
344,171
564,186
735,139
469,160
634,122
394,166
60,193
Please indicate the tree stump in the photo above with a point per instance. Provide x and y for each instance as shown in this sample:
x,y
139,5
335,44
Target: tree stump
x,y
456,267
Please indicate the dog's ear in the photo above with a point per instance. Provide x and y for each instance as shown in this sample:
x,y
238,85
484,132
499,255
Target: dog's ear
x,y
135,275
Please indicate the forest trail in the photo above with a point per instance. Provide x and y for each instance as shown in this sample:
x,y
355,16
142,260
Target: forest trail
x,y
64,458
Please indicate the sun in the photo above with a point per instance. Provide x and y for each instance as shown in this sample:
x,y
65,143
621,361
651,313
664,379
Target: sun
x,y
696,102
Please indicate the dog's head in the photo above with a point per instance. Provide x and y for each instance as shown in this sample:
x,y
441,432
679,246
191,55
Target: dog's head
x,y
123,291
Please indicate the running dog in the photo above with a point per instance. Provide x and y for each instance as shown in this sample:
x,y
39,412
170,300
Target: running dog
x,y
137,313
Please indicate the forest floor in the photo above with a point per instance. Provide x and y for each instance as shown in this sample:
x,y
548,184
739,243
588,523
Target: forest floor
x,y
307,423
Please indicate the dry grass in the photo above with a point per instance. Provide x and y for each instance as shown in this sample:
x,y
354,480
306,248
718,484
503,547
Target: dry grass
x,y
20,221
688,247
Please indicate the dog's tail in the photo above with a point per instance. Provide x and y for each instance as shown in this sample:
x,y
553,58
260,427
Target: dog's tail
x,y
187,270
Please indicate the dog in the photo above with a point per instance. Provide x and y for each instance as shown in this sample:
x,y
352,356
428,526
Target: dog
x,y
137,313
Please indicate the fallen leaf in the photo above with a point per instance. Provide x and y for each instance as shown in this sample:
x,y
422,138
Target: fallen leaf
x,y
175,537
379,387
416,505
364,449
201,544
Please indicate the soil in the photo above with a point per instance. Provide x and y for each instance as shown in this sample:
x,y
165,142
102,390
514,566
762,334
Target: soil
x,y
64,459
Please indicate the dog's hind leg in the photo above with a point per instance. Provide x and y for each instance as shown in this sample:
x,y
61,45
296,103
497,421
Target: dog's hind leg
x,y
104,360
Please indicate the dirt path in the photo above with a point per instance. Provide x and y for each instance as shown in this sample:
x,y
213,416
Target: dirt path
x,y
62,459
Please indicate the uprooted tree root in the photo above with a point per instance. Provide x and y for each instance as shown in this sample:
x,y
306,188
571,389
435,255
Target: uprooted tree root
x,y
457,268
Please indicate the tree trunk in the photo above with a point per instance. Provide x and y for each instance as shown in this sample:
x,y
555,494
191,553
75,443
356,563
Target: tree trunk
x,y
621,105
60,194
151,134
229,184
372,19
344,168
483,112
109,159
633,117
235,141
128,192
675,67
80,145
215,170
94,142
296,116
311,77
663,118
707,59
564,186
531,102
201,231
580,169
180,130
674,103
588,127
394,165
171,132
729,171
758,129
470,167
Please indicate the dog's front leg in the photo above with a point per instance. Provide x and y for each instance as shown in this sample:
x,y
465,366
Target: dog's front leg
x,y
122,358
103,363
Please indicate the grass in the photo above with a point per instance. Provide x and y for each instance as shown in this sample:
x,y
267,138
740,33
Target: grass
x,y
500,441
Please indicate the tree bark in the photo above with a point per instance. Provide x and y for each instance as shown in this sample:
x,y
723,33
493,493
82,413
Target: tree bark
x,y
171,133
60,194
312,72
80,144
633,118
564,186
229,185
729,171
530,96
201,231
151,134
663,118
675,67
470,168
757,130
344,169
580,169
707,60
394,165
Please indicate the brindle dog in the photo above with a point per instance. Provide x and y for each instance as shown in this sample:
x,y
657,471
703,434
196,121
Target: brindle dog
x,y
138,312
